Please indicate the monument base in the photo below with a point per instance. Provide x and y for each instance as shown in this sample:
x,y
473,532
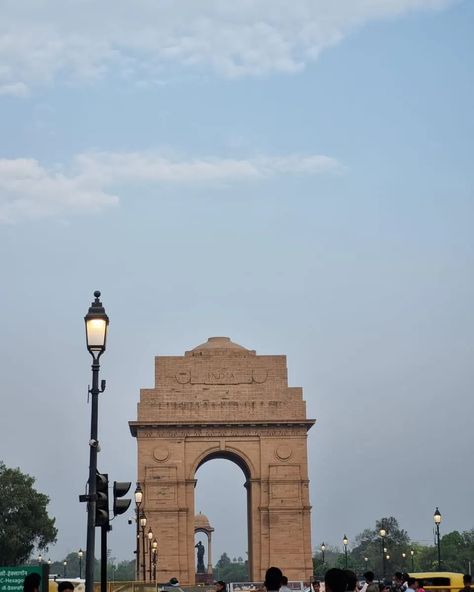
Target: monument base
x,y
204,578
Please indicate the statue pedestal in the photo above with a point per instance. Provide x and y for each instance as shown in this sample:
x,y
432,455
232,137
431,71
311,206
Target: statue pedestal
x,y
204,578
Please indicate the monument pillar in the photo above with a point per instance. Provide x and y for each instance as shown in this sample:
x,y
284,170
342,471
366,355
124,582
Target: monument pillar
x,y
221,400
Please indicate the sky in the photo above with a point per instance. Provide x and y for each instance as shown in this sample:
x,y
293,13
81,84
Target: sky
x,y
294,175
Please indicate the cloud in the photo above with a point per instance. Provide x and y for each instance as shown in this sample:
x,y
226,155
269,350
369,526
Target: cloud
x,y
15,89
83,40
29,190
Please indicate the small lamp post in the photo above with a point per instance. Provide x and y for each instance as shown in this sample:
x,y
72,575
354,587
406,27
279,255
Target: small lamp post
x,y
366,560
80,554
150,538
142,525
40,559
97,323
404,557
412,553
65,565
49,562
155,551
323,549
345,542
437,520
138,503
383,534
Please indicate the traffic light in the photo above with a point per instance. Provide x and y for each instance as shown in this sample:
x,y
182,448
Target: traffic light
x,y
120,489
102,501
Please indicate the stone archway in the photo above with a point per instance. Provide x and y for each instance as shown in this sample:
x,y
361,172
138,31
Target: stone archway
x,y
221,400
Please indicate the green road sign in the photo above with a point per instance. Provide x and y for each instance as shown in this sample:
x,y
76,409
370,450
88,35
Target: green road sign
x,y
11,578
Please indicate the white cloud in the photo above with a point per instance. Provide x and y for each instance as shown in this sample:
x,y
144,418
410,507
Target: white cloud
x,y
81,39
29,190
15,89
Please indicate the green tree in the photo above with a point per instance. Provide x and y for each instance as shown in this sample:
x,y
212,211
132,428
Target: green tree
x,y
25,524
369,544
231,571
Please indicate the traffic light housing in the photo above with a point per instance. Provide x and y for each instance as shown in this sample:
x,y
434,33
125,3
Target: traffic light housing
x,y
102,501
120,489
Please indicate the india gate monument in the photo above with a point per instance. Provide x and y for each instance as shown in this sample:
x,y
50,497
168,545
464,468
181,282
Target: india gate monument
x,y
221,400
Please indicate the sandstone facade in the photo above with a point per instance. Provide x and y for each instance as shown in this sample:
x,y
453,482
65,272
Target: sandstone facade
x,y
221,400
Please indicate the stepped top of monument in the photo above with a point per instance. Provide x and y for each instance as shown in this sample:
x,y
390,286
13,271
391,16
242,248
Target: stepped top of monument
x,y
218,344
222,381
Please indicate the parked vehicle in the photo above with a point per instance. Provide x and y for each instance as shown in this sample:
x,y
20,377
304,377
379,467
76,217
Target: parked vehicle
x,y
440,581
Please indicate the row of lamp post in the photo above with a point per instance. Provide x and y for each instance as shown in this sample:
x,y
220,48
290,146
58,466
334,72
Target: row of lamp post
x,y
80,555
385,555
150,548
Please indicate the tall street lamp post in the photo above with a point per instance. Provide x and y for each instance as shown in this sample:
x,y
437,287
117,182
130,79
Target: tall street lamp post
x,y
345,542
323,549
97,323
40,559
80,554
143,524
138,502
404,556
150,538
437,519
412,553
383,534
65,565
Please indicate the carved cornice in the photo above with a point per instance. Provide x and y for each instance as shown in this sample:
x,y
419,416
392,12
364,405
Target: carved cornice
x,y
199,428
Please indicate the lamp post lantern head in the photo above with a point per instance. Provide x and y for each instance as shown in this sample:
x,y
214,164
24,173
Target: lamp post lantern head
x,y
80,553
150,534
412,552
366,559
382,532
138,494
437,516
345,540
404,555
97,323
388,556
143,520
323,547
154,545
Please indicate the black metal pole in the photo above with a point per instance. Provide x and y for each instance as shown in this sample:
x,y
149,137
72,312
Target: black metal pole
x,y
154,566
439,547
345,553
103,558
149,558
144,553
92,490
137,510
383,559
80,567
412,563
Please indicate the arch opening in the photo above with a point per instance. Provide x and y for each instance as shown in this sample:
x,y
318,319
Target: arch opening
x,y
218,495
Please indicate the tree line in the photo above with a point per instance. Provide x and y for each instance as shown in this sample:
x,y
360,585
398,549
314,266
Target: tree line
x,y
401,554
